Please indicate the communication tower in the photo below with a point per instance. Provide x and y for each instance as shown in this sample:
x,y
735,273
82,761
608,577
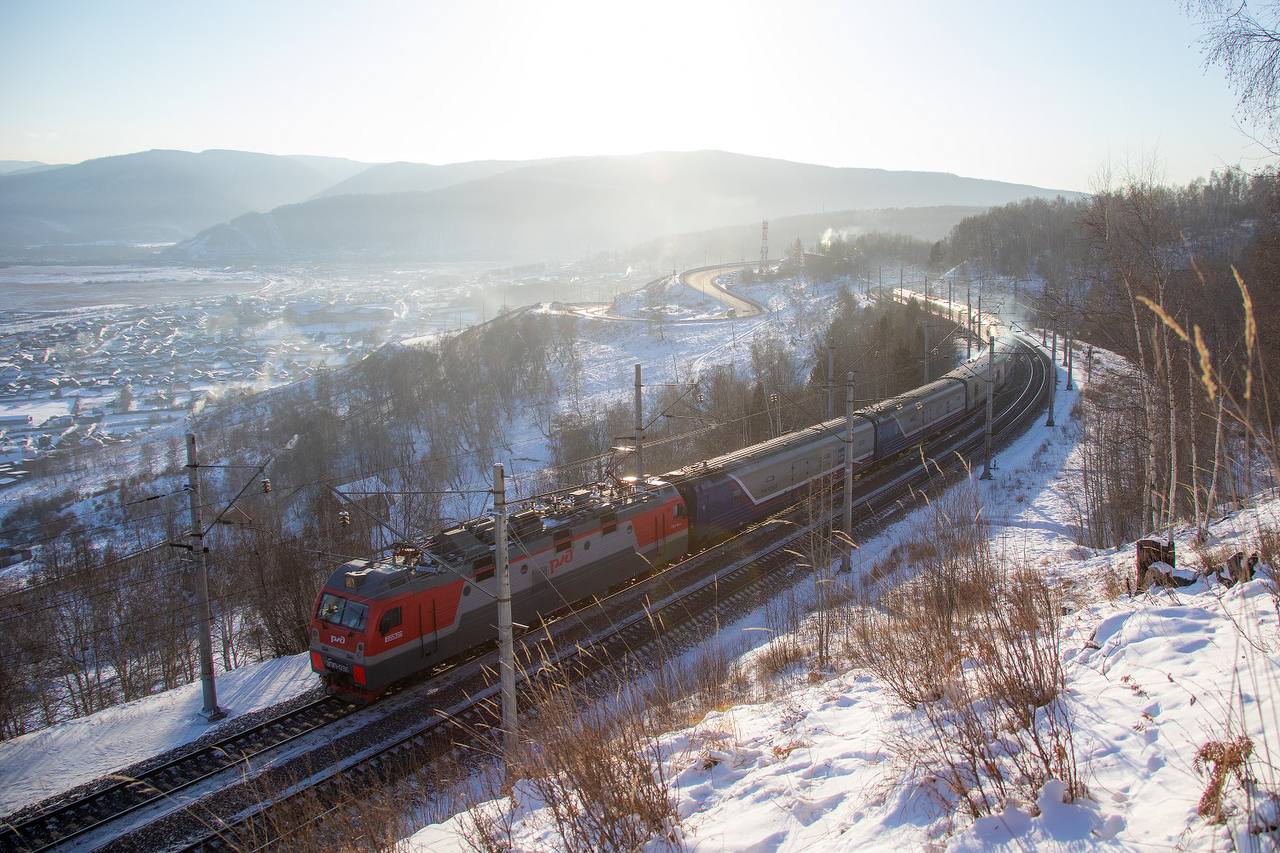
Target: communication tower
x,y
764,245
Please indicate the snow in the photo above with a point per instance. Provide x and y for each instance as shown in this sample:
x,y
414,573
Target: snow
x,y
1150,680
40,411
669,298
47,762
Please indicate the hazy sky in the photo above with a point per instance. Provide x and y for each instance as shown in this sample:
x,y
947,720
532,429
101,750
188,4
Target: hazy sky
x,y
1036,92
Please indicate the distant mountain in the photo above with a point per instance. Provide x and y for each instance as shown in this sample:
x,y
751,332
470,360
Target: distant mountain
x,y
420,177
334,169
8,167
569,207
152,196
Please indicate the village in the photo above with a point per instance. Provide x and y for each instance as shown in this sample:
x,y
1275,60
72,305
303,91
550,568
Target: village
x,y
71,381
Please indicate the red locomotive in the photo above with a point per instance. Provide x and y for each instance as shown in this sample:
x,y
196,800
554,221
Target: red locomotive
x,y
378,621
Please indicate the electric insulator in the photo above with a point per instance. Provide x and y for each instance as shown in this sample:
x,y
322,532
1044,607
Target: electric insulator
x,y
700,397
344,518
266,485
773,399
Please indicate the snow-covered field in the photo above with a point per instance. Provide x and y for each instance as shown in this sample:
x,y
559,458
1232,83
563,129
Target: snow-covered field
x,y
1150,680
61,757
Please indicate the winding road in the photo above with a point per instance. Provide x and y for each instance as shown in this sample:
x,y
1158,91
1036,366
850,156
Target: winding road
x,y
703,280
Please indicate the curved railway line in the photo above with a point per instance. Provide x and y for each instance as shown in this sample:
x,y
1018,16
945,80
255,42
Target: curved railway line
x,y
734,575
685,599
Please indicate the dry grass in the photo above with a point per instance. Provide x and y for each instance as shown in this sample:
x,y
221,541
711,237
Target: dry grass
x,y
973,646
1224,759
1268,542
1112,583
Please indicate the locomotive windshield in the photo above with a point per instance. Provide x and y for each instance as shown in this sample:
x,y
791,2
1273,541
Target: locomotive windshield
x,y
341,611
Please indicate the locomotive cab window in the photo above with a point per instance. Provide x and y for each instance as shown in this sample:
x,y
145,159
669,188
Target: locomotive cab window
x,y
679,511
389,620
337,610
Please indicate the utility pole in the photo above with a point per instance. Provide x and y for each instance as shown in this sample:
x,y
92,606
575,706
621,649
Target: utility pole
x,y
1071,363
200,585
1053,390
831,381
506,643
968,322
846,562
991,392
1053,353
978,323
639,431
924,363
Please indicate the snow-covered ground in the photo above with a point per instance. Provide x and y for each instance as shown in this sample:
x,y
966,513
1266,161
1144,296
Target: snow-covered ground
x,y
667,299
61,757
1150,680
56,759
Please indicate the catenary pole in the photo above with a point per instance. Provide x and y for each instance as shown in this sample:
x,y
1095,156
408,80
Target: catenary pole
x,y
1071,363
978,321
639,431
506,644
831,381
1053,391
1053,351
846,562
991,393
924,363
968,322
200,586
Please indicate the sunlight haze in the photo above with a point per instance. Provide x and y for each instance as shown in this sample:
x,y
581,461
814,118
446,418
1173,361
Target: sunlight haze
x,y
1035,93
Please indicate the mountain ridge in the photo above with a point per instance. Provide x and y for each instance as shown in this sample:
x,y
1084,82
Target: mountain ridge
x,y
575,205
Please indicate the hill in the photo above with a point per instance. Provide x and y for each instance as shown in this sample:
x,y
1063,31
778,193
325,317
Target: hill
x,y
152,196
8,167
334,169
419,177
570,207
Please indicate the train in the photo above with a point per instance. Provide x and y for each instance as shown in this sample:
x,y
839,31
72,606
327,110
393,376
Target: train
x,y
378,621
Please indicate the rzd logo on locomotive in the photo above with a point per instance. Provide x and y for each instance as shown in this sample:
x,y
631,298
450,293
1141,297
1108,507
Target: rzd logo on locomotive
x,y
559,562
334,639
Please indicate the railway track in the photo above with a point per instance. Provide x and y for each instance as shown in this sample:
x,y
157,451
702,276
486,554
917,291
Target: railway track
x,y
685,599
752,574
63,823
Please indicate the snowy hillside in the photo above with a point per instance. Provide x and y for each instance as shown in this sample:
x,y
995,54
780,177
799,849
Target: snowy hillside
x,y
1164,691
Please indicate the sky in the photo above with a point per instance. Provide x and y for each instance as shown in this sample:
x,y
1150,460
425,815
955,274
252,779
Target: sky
x,y
1037,92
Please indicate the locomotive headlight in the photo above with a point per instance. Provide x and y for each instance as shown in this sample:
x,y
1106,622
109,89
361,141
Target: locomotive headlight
x,y
315,635
360,648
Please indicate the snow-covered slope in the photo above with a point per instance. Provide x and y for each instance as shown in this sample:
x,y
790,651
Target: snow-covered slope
x,y
1150,680
61,757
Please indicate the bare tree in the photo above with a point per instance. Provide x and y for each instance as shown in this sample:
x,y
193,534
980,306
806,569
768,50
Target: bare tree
x,y
1245,42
